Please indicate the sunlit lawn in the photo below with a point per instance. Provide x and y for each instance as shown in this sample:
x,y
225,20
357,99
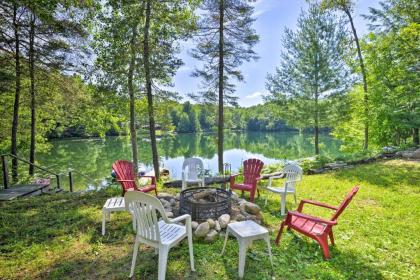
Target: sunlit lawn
x,y
377,237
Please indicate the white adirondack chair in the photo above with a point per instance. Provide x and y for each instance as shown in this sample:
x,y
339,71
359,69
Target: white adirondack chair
x,y
161,234
293,174
192,172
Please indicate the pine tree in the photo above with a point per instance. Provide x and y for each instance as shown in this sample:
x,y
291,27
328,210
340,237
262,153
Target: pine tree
x,y
312,71
225,41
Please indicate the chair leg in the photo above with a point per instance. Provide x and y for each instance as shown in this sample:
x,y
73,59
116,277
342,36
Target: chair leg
x,y
279,234
133,262
242,255
294,194
266,198
267,240
103,223
163,261
156,190
331,235
283,204
226,238
323,242
190,247
252,196
258,193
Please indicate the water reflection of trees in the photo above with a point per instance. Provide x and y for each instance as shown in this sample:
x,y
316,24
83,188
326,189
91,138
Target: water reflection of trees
x,y
95,157
272,145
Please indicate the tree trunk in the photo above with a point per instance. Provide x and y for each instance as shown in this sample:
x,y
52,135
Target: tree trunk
x,y
32,93
416,139
365,87
15,121
146,58
220,126
133,134
316,127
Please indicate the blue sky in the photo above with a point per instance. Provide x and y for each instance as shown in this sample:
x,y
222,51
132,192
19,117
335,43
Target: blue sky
x,y
272,16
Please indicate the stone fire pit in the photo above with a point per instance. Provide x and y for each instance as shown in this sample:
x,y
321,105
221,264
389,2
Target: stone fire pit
x,y
204,203
208,228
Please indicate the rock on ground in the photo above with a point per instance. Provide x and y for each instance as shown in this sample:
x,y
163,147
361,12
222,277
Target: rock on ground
x,y
202,229
224,220
194,225
211,236
211,222
251,208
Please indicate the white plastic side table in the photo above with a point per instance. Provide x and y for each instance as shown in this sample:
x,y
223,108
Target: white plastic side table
x,y
246,232
113,204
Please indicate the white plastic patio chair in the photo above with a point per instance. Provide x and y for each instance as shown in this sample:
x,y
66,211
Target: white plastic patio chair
x,y
293,174
192,172
161,234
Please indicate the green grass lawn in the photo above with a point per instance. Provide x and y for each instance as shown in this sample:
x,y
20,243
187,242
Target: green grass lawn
x,y
377,237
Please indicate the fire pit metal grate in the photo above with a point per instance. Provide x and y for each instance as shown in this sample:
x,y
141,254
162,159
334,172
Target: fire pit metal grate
x,y
204,203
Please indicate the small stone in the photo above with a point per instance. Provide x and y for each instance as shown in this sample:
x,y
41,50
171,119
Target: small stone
x,y
194,225
217,226
211,222
168,209
232,221
240,217
166,196
251,208
165,203
169,214
211,236
224,220
172,202
202,229
177,196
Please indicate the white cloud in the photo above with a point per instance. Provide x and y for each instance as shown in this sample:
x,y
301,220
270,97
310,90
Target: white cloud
x,y
254,95
252,99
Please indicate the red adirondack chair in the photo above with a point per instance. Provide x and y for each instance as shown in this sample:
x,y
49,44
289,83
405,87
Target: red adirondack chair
x,y
126,177
316,228
252,172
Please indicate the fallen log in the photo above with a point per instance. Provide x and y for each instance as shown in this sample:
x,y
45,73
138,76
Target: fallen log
x,y
213,180
207,181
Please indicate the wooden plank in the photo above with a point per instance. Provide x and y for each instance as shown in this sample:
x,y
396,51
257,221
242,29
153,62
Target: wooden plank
x,y
22,190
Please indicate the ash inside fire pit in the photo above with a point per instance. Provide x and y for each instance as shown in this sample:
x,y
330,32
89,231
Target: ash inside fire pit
x,y
204,203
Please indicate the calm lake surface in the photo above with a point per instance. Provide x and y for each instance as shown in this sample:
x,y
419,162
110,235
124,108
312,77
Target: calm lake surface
x,y
94,157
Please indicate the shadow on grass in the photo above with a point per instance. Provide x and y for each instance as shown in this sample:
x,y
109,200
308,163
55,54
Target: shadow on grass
x,y
298,258
39,220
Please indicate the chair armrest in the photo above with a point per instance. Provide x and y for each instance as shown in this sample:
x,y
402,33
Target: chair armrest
x,y
312,218
316,203
180,218
270,179
232,178
258,178
149,176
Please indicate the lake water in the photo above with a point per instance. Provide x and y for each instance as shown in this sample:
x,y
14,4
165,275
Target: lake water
x,y
94,157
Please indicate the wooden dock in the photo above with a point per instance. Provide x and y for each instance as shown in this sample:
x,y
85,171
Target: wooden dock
x,y
16,191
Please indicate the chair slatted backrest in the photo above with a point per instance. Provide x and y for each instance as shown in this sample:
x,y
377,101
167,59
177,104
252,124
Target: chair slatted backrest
x,y
293,175
344,203
125,171
145,208
252,170
192,167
